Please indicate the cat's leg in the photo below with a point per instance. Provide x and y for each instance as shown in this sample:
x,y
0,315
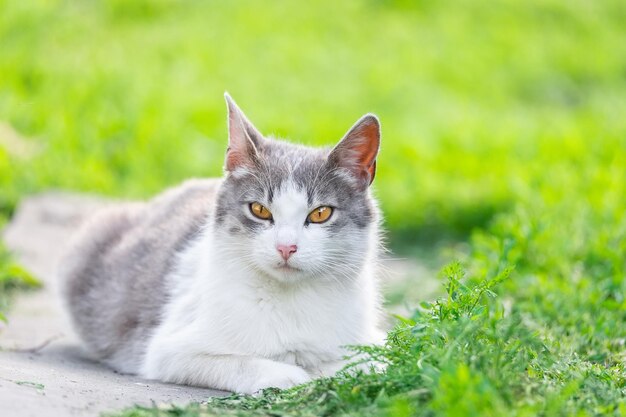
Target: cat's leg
x,y
328,369
360,361
242,374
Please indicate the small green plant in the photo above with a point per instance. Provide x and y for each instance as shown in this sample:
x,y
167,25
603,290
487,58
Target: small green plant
x,y
12,277
36,385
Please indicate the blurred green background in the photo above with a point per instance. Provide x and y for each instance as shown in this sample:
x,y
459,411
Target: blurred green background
x,y
504,144
479,101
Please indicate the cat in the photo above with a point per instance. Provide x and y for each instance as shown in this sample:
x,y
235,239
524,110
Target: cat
x,y
259,279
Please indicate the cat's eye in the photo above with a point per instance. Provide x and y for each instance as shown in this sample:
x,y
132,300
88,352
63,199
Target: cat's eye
x,y
260,211
320,214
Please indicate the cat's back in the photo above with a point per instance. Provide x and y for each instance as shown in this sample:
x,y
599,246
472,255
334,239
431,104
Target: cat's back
x,y
113,276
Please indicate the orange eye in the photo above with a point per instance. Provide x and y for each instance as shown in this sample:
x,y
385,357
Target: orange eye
x,y
320,214
260,211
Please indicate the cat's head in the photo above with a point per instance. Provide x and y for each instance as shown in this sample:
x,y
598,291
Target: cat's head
x,y
297,213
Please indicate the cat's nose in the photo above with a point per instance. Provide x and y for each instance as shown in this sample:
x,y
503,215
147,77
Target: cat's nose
x,y
286,250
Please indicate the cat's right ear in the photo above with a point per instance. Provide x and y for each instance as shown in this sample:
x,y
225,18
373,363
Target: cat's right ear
x,y
244,140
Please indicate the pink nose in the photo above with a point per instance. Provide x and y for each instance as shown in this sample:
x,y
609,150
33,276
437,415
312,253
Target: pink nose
x,y
286,250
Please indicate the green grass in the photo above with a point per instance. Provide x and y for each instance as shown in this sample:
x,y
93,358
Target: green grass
x,y
12,277
504,145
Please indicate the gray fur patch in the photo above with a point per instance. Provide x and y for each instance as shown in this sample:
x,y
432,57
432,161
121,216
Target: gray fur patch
x,y
113,279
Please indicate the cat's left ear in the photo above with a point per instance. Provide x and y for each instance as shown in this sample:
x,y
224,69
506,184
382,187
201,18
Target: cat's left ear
x,y
358,149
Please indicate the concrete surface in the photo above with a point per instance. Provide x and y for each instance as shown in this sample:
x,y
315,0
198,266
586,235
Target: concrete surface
x,y
43,371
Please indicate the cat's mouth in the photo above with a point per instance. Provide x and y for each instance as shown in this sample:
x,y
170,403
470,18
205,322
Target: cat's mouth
x,y
285,267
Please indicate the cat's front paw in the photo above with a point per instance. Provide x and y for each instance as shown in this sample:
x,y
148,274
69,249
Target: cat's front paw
x,y
279,376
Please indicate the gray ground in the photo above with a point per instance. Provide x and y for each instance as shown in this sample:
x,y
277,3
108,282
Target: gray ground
x,y
43,371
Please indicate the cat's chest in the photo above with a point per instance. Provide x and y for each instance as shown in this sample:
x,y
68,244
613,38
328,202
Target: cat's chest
x,y
270,323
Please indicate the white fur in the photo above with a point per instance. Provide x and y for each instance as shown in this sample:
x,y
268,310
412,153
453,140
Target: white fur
x,y
236,322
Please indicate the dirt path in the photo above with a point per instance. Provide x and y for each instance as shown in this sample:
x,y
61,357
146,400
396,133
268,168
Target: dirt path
x,y
43,371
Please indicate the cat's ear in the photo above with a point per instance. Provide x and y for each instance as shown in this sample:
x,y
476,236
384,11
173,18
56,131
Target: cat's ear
x,y
358,149
244,140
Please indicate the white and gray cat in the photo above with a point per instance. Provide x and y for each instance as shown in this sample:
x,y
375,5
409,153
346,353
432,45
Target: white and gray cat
x,y
259,279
